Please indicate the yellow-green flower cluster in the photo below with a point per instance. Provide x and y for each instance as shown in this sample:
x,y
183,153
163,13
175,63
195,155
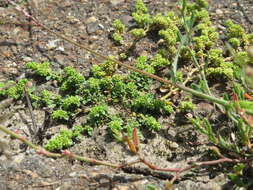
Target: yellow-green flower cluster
x,y
105,69
197,5
168,29
218,65
141,15
237,35
225,69
186,106
119,29
165,21
208,37
138,33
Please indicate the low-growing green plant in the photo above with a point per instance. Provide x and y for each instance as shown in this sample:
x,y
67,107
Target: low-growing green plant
x,y
72,81
204,126
186,106
60,141
132,123
241,177
141,15
189,35
132,90
147,103
17,91
2,90
98,114
40,69
150,123
235,31
158,61
119,28
116,128
60,115
88,129
107,68
45,98
117,37
65,138
141,81
138,33
92,91
71,103
151,187
78,130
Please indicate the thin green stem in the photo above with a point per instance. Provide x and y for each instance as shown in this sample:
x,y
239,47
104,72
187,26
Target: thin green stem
x,y
39,149
202,95
93,161
19,137
202,72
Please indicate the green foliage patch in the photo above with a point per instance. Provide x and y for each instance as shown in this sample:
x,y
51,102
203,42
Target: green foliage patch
x,y
186,40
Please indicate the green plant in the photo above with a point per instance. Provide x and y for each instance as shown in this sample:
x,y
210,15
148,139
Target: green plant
x,y
169,35
235,31
241,177
2,90
17,91
107,68
118,26
71,103
132,123
98,114
60,115
88,129
141,16
235,42
151,187
40,69
117,37
147,103
92,90
138,33
119,29
116,128
140,80
72,81
204,126
158,61
194,33
186,106
61,141
119,88
150,122
78,130
50,99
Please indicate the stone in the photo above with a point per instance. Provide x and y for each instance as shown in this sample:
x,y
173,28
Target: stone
x,y
92,27
116,2
219,12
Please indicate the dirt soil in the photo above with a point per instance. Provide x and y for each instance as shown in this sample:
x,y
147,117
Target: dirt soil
x,y
89,22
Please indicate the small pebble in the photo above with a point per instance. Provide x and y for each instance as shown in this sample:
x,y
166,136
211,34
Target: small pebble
x,y
219,11
116,2
173,145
